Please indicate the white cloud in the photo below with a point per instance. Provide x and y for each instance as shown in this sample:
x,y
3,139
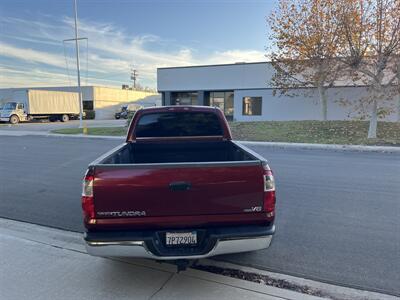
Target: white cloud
x,y
31,55
37,77
112,52
232,56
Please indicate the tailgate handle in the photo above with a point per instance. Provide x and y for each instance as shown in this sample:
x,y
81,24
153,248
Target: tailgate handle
x,y
180,186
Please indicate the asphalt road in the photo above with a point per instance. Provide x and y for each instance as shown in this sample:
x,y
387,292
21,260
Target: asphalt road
x,y
338,212
44,125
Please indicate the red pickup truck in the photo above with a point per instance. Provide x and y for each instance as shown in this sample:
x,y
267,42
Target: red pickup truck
x,y
178,188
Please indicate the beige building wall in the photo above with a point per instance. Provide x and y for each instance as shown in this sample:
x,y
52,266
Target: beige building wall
x,y
107,101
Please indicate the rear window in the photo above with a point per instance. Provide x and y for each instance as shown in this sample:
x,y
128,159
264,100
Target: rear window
x,y
169,124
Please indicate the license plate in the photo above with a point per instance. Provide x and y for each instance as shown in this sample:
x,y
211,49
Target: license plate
x,y
181,238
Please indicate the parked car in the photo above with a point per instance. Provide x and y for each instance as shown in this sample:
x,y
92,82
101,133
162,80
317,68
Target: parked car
x,y
38,104
126,110
178,188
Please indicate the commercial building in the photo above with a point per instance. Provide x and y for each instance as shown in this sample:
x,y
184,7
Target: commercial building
x,y
104,101
244,93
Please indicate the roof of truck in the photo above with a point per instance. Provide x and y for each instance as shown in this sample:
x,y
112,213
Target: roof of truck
x,y
180,108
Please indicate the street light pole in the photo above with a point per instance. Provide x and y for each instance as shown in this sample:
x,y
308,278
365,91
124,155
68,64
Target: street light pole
x,y
78,70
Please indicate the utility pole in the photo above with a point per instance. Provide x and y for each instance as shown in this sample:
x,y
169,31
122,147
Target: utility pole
x,y
78,67
134,76
76,39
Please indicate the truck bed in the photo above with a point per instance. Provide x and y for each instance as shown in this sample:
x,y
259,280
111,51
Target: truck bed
x,y
169,179
178,152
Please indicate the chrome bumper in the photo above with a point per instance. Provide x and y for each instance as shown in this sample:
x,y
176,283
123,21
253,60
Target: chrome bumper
x,y
139,249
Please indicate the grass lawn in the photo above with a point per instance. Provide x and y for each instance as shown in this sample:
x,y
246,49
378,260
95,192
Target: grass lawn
x,y
319,132
329,132
94,131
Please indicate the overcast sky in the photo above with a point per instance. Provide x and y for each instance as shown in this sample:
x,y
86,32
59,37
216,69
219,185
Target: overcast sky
x,y
124,33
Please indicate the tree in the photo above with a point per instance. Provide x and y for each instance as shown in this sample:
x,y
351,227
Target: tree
x,y
371,30
396,70
398,93
306,41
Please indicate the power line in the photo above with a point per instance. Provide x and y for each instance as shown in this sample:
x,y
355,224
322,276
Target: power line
x,y
87,61
66,65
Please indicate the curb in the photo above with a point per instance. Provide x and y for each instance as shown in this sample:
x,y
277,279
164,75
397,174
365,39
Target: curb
x,y
334,147
330,290
48,134
305,146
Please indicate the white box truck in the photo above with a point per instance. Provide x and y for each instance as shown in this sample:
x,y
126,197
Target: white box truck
x,y
40,104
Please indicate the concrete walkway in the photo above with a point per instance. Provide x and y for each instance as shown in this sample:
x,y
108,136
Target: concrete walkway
x,y
43,263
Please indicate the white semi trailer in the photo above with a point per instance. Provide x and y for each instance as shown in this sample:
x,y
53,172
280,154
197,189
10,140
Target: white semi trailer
x,y
40,104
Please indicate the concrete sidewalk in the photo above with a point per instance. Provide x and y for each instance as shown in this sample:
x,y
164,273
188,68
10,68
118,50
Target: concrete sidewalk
x,y
43,263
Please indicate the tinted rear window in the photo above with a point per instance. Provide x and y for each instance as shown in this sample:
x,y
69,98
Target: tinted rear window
x,y
178,124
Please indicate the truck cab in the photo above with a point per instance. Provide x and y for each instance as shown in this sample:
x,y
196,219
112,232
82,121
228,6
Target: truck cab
x,y
13,112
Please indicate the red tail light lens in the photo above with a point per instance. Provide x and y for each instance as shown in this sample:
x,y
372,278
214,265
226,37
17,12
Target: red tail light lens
x,y
88,208
269,202
87,198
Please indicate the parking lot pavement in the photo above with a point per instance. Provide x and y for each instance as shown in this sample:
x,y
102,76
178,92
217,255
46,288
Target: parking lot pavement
x,y
324,207
46,126
43,263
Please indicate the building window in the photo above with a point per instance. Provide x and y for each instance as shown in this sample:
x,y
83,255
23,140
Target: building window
x,y
224,101
184,98
252,106
87,105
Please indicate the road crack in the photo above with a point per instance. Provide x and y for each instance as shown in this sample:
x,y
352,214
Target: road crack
x,y
163,285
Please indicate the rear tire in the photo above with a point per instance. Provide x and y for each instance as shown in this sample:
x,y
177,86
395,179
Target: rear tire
x,y
64,118
14,119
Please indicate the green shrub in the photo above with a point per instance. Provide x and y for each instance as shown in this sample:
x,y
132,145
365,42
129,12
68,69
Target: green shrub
x,y
129,119
89,114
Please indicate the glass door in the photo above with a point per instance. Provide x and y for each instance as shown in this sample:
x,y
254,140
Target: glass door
x,y
217,99
224,101
229,104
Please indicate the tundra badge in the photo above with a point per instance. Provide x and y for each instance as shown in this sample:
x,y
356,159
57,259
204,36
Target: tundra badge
x,y
131,213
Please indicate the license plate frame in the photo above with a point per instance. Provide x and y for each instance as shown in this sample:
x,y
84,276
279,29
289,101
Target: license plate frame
x,y
181,239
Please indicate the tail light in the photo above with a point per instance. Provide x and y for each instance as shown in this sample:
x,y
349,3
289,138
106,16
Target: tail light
x,y
269,192
87,198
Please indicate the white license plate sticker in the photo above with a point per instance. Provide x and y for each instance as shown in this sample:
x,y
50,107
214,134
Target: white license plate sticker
x,y
181,238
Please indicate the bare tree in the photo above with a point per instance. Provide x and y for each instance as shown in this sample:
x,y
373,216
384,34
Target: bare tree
x,y
371,46
306,40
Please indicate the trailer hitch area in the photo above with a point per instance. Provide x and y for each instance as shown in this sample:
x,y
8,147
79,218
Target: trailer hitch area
x,y
183,264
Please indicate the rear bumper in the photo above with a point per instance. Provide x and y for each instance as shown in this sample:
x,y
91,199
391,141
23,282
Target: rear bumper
x,y
150,245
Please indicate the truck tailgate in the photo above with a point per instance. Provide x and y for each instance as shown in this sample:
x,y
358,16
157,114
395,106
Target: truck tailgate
x,y
180,190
